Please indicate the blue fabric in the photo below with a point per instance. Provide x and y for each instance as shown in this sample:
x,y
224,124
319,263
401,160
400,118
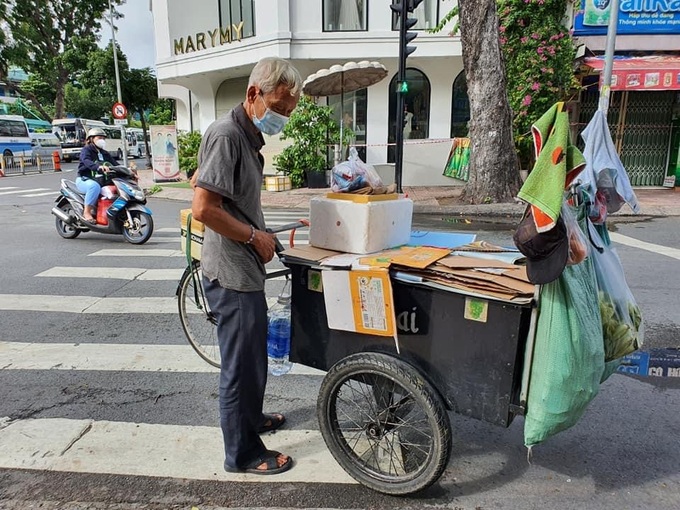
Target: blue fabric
x,y
91,158
91,188
242,336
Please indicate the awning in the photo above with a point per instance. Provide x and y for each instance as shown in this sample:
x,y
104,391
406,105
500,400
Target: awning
x,y
641,73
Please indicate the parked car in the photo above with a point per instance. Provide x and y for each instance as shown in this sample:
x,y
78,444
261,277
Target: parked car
x,y
44,145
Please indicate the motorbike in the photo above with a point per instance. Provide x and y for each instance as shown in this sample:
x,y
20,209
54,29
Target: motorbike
x,y
120,208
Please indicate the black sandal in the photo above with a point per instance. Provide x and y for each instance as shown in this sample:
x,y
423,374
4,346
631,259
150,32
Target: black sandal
x,y
271,422
269,459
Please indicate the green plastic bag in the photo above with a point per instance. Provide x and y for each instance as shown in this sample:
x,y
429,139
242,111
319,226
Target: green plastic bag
x,y
568,362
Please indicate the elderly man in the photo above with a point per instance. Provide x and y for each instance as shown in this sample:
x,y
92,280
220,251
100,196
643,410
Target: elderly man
x,y
235,251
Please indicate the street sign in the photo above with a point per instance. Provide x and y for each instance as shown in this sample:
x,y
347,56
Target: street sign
x,y
120,122
119,111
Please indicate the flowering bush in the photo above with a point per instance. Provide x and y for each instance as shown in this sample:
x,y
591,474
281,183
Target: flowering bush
x,y
539,61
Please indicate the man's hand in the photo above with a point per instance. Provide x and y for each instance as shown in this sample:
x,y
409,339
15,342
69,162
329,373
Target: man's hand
x,y
264,245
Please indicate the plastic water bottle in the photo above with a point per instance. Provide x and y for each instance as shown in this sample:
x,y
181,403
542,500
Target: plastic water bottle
x,y
278,335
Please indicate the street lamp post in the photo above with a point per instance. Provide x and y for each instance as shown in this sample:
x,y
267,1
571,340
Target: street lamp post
x,y
115,65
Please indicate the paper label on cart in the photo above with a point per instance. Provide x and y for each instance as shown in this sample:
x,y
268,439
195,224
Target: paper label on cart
x,y
476,309
359,301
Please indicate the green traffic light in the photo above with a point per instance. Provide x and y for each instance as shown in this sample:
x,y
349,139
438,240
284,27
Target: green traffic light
x,y
403,87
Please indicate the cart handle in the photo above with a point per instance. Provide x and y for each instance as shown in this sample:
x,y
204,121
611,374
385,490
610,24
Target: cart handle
x,y
289,226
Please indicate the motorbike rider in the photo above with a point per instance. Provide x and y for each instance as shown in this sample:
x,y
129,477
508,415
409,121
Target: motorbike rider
x,y
92,161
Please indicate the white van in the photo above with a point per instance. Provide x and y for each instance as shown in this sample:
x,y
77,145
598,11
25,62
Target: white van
x,y
135,142
44,145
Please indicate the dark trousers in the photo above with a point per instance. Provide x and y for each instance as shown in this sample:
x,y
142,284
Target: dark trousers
x,y
242,335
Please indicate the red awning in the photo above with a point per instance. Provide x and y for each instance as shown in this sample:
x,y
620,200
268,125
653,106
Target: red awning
x,y
641,73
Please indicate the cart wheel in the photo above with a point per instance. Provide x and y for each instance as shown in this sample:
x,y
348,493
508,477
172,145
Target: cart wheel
x,y
384,423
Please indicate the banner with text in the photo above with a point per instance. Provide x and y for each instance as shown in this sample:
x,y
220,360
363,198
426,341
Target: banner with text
x,y
635,17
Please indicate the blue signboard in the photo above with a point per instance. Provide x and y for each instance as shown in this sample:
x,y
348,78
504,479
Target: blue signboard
x,y
635,17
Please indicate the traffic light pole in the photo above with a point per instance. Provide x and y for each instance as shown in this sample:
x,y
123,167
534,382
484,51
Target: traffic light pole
x,y
401,78
402,9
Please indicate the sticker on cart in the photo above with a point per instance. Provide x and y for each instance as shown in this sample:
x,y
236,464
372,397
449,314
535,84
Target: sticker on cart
x,y
476,309
359,301
314,281
372,302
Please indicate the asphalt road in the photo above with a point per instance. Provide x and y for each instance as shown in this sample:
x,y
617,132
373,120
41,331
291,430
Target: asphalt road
x,y
623,453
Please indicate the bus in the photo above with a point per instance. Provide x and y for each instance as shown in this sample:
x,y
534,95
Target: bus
x,y
14,138
136,145
72,134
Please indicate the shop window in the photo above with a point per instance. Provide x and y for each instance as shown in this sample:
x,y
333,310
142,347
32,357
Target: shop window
x,y
354,110
427,14
233,12
417,104
345,15
460,107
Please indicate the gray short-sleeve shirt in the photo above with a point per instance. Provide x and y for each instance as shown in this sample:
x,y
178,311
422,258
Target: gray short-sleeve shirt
x,y
230,164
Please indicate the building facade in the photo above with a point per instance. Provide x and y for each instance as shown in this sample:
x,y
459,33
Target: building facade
x,y
644,113
205,52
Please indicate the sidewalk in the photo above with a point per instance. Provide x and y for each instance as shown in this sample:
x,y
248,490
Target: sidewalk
x,y
436,200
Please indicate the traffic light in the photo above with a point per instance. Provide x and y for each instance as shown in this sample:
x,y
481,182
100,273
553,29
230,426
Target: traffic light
x,y
402,8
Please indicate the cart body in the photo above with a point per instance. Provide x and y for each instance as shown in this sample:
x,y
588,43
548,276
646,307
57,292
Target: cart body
x,y
476,366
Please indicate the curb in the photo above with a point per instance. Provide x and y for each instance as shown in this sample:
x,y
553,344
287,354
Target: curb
x,y
496,211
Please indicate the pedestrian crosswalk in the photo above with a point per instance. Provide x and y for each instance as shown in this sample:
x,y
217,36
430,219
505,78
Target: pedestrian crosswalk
x,y
26,192
105,446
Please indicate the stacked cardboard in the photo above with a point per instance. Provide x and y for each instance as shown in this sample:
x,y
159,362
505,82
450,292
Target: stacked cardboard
x,y
479,268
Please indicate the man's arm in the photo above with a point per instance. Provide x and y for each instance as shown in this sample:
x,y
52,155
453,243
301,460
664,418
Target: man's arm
x,y
207,208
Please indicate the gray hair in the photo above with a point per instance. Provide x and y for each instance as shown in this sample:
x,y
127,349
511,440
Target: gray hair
x,y
271,72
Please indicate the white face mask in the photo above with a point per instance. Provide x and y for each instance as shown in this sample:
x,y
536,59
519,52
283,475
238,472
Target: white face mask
x,y
101,143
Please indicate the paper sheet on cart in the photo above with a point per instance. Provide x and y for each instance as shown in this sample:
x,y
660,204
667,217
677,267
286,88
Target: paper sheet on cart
x,y
440,239
359,301
510,257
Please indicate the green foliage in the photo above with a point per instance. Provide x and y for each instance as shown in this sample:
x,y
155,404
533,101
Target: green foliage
x,y
51,38
312,129
82,102
161,113
155,188
539,61
189,143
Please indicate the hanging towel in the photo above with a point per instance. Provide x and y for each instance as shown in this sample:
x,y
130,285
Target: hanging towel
x,y
604,171
557,163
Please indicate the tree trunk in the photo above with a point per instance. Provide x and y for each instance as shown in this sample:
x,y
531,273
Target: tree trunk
x,y
146,142
59,100
494,172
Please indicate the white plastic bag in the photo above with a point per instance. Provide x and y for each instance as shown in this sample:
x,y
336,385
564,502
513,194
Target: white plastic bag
x,y
353,174
622,324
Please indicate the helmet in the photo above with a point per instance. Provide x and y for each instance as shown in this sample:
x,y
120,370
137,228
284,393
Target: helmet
x,y
96,132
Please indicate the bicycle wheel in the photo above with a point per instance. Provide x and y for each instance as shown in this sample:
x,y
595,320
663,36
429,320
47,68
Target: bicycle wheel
x,y
198,322
384,423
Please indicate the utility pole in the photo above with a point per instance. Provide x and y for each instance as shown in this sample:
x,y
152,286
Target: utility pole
x,y
605,88
115,65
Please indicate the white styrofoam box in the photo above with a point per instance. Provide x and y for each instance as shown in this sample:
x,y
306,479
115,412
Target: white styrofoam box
x,y
351,227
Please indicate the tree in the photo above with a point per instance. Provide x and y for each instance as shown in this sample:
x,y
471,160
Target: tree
x,y
52,38
494,172
140,92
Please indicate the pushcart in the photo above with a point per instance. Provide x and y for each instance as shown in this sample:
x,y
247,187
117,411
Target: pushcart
x,y
383,405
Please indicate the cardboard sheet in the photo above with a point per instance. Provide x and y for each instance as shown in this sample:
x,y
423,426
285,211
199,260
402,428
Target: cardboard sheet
x,y
309,253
